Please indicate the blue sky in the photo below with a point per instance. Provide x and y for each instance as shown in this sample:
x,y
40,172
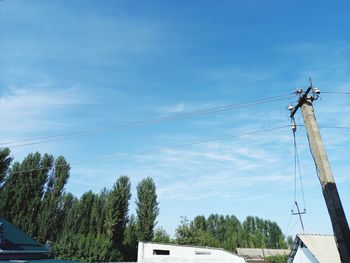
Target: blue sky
x,y
71,66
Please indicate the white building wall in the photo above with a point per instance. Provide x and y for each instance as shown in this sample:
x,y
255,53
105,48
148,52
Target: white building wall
x,y
184,254
304,255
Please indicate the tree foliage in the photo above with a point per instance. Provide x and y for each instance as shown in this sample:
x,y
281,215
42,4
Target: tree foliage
x,y
5,162
94,227
161,236
229,233
31,193
97,226
130,240
117,211
147,209
277,259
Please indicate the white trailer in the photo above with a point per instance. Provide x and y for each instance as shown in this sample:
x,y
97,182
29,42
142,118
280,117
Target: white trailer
x,y
166,253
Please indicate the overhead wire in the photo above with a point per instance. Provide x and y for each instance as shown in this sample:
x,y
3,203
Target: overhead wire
x,y
329,127
152,121
287,228
297,170
198,142
297,167
337,92
294,225
334,127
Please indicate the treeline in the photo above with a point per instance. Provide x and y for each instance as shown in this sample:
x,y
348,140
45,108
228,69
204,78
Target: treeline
x,y
99,227
229,233
94,227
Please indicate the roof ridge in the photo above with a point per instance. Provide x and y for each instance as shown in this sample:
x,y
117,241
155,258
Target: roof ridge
x,y
315,234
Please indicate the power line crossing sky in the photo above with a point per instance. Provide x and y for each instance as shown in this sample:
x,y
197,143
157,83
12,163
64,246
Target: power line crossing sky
x,y
73,67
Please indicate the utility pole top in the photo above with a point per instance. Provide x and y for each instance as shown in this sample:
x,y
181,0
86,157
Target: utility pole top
x,y
324,172
303,96
300,101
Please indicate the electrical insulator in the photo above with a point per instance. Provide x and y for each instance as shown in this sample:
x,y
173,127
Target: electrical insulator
x,y
294,127
299,91
290,107
317,91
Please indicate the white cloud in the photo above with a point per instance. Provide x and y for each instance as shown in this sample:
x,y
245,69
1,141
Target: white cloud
x,y
177,108
35,109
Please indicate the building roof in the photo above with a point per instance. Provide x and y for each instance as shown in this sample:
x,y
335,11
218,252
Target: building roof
x,y
16,241
260,253
323,247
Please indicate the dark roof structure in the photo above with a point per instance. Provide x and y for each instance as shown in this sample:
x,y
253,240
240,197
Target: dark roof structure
x,y
15,244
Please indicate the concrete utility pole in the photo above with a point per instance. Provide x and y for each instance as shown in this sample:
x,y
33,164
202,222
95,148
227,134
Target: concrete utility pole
x,y
329,188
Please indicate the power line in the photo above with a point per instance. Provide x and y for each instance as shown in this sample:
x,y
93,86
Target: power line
x,y
59,137
336,92
335,127
287,228
297,169
198,142
329,127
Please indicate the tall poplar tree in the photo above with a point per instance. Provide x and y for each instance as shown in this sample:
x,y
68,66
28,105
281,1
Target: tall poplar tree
x,y
5,162
117,211
31,193
23,191
147,209
130,241
50,220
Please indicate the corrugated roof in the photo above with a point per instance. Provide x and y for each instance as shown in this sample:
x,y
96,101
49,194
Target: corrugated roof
x,y
323,247
261,253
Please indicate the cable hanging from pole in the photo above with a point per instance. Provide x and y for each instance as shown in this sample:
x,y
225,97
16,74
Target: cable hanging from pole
x,y
297,169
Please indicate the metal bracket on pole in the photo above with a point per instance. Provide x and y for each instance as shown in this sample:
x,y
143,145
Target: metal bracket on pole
x,y
300,102
299,214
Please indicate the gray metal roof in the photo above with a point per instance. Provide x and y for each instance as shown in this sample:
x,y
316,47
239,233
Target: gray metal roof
x,y
323,247
260,253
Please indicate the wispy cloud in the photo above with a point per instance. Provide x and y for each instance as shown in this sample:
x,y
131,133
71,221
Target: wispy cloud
x,y
36,108
177,108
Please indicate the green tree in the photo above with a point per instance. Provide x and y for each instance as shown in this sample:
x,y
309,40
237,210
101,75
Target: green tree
x,y
161,236
183,233
200,223
146,209
70,206
277,258
87,248
117,211
227,232
188,234
5,162
98,213
23,191
290,241
130,241
233,233
84,212
50,220
258,232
